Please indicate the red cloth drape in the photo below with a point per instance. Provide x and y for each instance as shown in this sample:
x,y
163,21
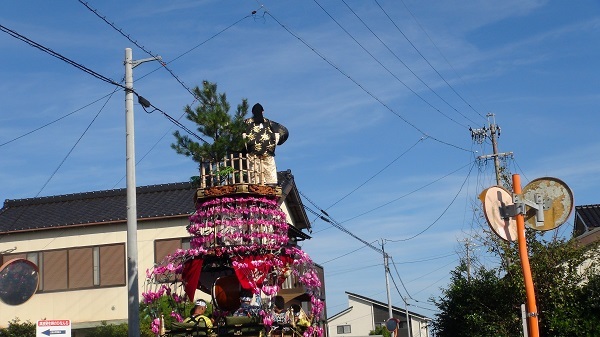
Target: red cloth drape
x,y
252,270
191,276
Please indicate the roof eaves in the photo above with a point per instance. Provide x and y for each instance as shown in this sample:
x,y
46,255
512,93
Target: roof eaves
x,y
381,304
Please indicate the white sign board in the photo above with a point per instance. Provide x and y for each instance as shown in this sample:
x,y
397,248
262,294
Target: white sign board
x,y
53,328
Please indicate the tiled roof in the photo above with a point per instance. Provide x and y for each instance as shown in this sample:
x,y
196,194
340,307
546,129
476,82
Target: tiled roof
x,y
590,214
587,217
95,207
377,305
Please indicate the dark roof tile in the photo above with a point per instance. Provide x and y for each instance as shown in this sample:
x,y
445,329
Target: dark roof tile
x,y
95,207
590,214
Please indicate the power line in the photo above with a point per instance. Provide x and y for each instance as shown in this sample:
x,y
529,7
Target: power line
x,y
407,67
59,56
56,120
164,64
436,47
337,225
426,60
143,102
386,68
346,254
173,120
407,194
353,269
433,271
444,212
398,274
69,153
427,259
75,145
360,85
327,218
377,173
149,150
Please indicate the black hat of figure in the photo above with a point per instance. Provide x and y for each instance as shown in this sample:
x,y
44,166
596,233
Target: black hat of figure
x,y
257,113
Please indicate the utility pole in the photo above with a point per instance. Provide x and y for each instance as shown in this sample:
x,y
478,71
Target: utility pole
x,y
133,318
408,328
468,246
492,132
387,282
389,298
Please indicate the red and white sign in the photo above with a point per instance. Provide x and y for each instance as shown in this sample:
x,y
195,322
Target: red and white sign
x,y
54,328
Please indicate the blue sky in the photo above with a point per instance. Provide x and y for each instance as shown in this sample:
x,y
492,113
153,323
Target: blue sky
x,y
378,97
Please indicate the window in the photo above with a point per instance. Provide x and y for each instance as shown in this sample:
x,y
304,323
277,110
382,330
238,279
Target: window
x,y
165,247
112,265
54,272
162,248
342,329
81,267
78,268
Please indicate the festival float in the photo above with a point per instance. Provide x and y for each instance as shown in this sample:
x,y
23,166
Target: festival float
x,y
239,246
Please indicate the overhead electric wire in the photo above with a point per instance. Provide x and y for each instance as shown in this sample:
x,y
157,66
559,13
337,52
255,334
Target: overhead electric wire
x,y
427,61
377,173
143,102
360,85
387,69
59,56
398,290
334,223
445,276
520,169
164,64
434,44
428,309
407,194
400,278
433,271
440,216
54,121
75,145
346,254
174,121
409,69
427,259
353,269
65,158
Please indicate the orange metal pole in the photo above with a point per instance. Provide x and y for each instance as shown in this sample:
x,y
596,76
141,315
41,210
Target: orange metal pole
x,y
532,314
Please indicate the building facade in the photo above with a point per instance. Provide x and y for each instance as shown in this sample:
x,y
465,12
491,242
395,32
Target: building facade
x,y
586,225
78,241
364,315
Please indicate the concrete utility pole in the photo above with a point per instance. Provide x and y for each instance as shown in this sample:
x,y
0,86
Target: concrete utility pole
x,y
468,247
492,132
387,282
133,318
389,298
408,327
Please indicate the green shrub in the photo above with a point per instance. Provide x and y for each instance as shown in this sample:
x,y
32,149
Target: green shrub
x,y
17,329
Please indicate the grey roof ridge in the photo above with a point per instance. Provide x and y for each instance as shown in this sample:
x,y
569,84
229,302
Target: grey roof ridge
x,y
93,194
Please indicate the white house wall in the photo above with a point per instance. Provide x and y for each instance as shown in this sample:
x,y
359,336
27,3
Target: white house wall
x,y
360,319
285,209
86,307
